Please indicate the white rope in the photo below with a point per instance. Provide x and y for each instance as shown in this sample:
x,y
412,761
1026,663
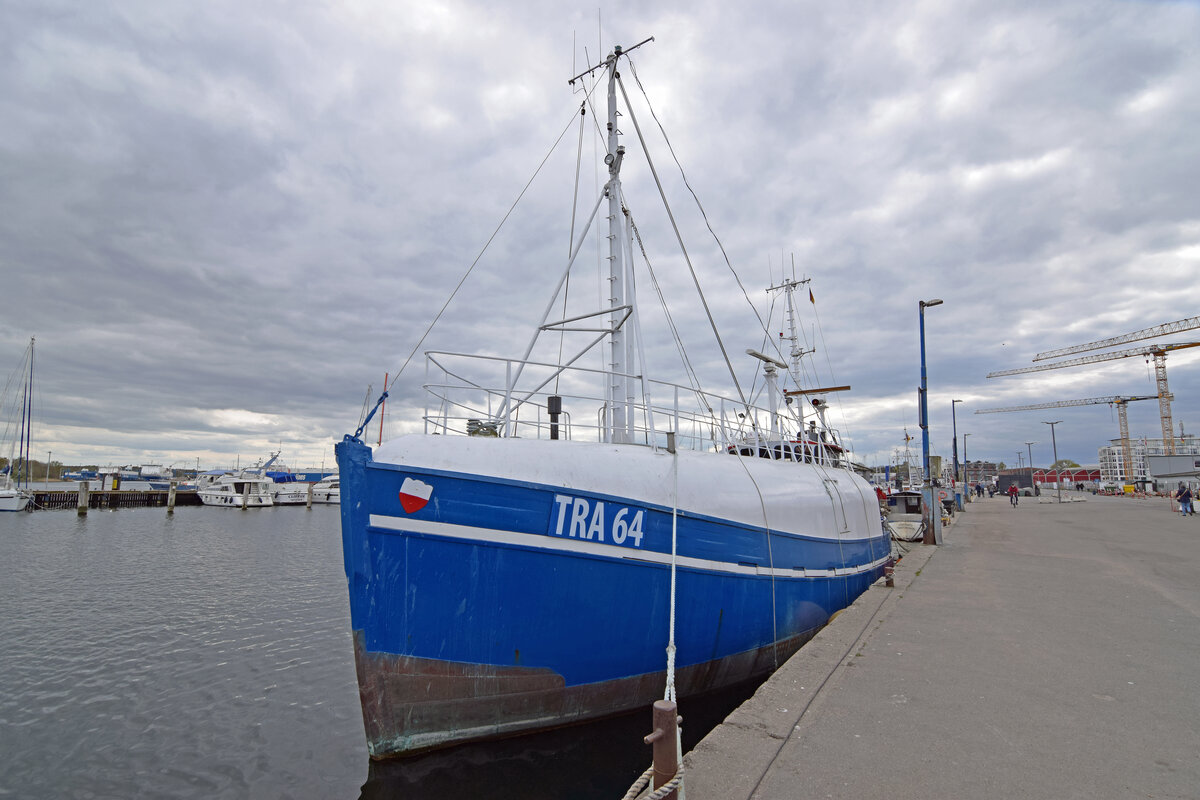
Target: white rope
x,y
641,783
670,691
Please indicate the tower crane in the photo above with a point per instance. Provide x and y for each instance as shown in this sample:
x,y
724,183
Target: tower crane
x,y
1165,329
1159,354
1118,401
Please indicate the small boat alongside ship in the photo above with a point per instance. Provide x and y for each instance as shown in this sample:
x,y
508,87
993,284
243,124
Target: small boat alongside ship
x,y
905,516
564,543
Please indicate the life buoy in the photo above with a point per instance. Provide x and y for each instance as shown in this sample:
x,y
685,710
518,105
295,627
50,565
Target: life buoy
x,y
941,495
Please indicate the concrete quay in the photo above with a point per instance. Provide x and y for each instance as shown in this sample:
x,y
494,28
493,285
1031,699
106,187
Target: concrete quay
x,y
1044,651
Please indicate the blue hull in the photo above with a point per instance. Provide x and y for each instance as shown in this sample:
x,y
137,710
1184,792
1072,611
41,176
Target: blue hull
x,y
495,606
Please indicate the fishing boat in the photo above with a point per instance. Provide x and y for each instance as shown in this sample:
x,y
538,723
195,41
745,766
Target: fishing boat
x,y
903,504
565,542
17,433
905,516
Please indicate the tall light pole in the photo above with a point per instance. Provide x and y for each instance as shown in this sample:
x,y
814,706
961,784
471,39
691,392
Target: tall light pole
x,y
49,453
1057,469
932,524
1029,447
957,477
966,464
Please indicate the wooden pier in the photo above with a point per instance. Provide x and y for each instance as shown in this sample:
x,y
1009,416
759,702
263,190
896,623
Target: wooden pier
x,y
60,500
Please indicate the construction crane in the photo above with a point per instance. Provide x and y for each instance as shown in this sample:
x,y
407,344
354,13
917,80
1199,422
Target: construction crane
x,y
1159,354
1118,401
1191,323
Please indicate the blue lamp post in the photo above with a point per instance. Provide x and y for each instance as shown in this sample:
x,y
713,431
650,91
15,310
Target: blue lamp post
x,y
932,526
958,500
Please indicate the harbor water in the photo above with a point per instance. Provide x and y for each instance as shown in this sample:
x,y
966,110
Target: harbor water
x,y
208,654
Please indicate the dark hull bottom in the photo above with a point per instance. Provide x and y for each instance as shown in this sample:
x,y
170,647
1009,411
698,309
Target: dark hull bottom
x,y
412,705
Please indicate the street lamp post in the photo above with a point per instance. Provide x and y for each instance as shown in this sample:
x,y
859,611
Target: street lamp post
x,y
966,465
934,517
957,477
1029,448
1057,469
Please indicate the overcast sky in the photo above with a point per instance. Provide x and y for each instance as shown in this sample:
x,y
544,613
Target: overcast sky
x,y
224,221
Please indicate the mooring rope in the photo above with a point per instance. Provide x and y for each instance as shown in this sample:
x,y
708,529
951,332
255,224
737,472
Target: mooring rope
x,y
670,690
659,793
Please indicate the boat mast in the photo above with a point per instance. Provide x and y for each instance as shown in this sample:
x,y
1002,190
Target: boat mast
x,y
618,392
797,352
23,435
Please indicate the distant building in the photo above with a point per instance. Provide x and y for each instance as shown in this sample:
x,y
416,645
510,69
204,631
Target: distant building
x,y
980,472
1169,472
1112,466
1068,475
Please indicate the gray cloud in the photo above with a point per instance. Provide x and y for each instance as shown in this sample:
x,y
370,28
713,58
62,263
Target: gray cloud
x,y
223,222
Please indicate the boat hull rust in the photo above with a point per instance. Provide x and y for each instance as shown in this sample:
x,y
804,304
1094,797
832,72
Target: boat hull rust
x,y
483,609
447,703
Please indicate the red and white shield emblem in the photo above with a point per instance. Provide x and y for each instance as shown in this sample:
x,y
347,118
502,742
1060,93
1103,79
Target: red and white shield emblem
x,y
414,495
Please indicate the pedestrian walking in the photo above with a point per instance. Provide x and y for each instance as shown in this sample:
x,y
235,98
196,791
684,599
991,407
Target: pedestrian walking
x,y
1014,494
1184,496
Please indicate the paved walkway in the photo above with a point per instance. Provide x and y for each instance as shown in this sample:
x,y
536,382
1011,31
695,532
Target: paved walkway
x,y
1046,651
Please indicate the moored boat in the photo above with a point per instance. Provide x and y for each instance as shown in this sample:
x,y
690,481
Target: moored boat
x,y
18,434
243,490
327,490
529,562
12,497
905,515
290,493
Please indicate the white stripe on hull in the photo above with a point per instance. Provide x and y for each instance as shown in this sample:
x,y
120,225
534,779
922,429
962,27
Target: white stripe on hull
x,y
496,536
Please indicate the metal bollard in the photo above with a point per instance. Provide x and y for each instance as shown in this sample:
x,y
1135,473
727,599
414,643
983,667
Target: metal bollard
x,y
666,757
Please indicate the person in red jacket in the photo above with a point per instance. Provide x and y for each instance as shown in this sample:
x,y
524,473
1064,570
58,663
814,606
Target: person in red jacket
x,y
1014,494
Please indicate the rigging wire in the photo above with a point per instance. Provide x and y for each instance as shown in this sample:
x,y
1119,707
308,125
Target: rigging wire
x,y
480,255
683,249
693,379
699,205
562,335
837,399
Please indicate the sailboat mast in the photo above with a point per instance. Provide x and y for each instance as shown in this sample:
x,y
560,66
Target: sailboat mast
x,y
24,436
618,392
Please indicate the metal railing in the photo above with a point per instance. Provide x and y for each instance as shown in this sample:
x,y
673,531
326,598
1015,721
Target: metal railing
x,y
475,395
